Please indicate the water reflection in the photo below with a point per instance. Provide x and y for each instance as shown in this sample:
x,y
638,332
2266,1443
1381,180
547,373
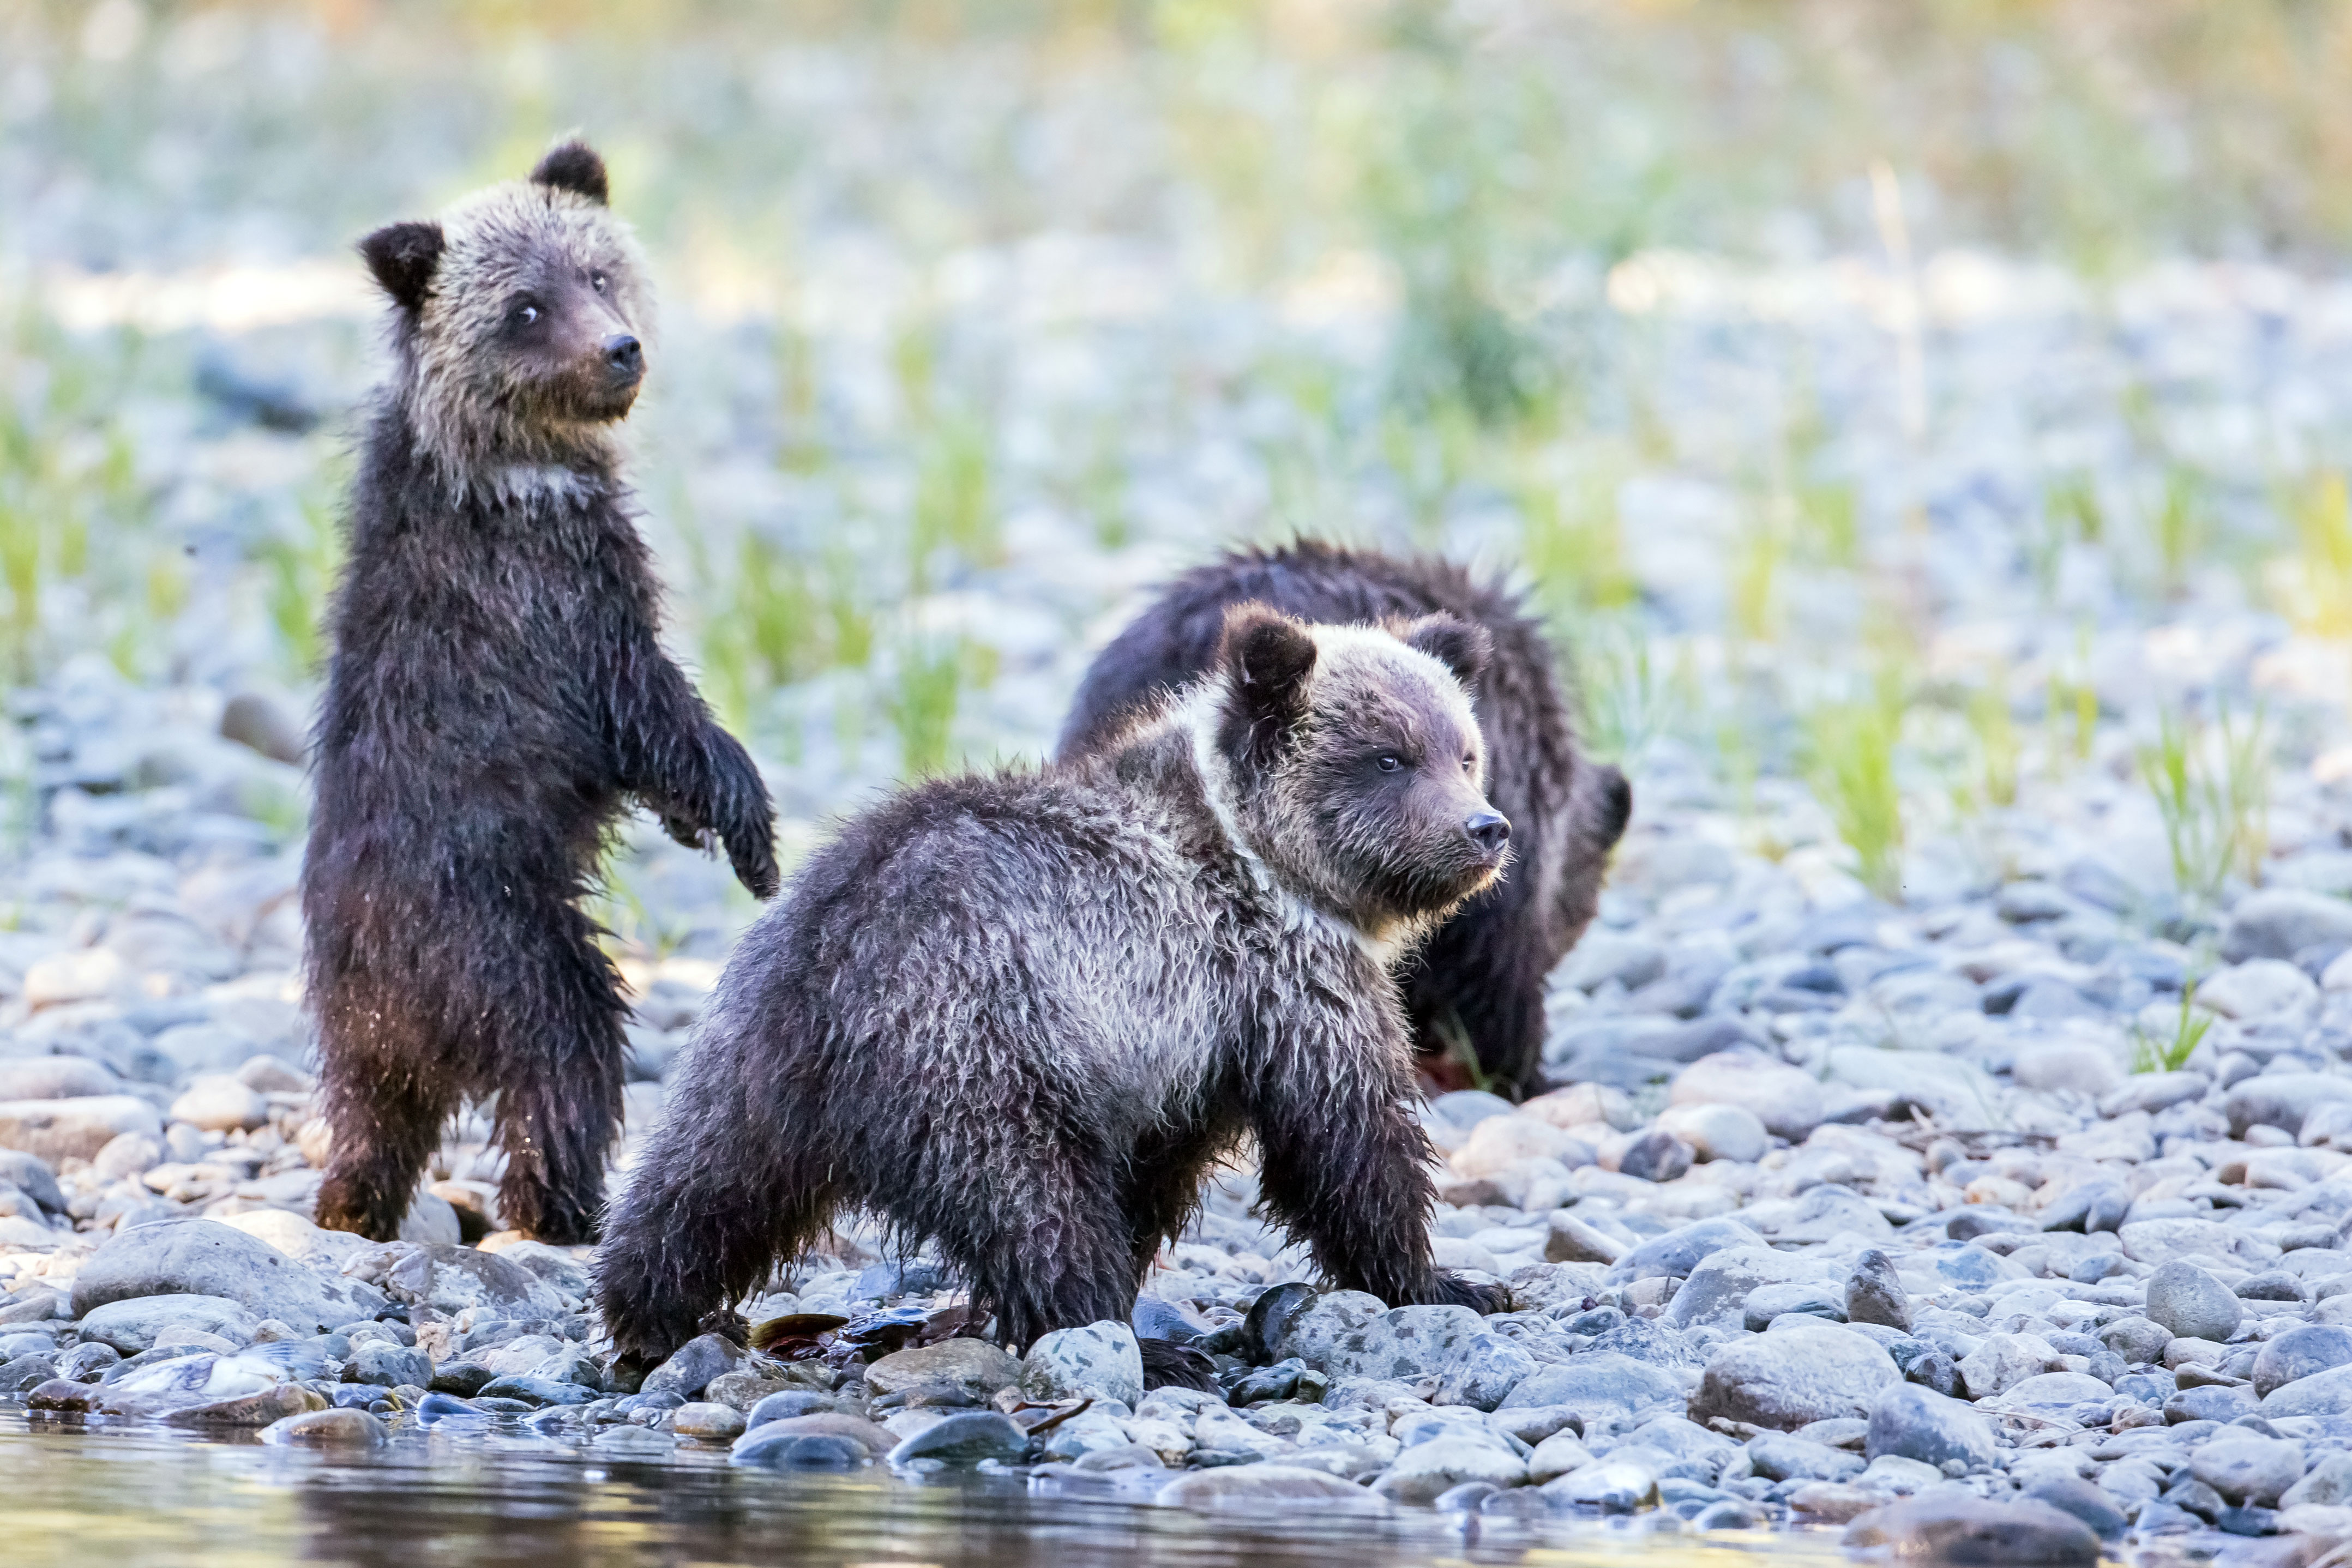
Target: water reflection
x,y
99,1499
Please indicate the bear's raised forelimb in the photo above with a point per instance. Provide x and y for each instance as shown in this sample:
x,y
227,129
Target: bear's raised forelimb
x,y
689,771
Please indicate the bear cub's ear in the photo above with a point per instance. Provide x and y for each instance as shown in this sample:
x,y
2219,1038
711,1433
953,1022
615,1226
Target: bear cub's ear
x,y
574,167
403,256
1270,656
1456,643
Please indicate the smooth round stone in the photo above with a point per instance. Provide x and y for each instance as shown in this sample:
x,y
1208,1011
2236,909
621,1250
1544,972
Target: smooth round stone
x,y
1718,1131
1915,1423
218,1103
388,1366
800,1450
1731,1513
536,1391
787,1404
2299,1353
973,1364
1467,1498
463,1378
708,1422
630,1439
441,1407
325,1428
2272,1285
1613,1485
965,1438
2191,1303
2248,1469
1952,1527
1793,1377
1809,1298
1426,1471
2072,1494
1656,1156
2138,1340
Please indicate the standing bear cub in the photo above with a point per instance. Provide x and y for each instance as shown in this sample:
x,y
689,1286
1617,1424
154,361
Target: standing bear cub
x,y
1019,1016
1480,979
498,693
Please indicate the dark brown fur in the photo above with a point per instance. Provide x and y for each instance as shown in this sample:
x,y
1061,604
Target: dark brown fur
x,y
1484,973
1019,1016
497,696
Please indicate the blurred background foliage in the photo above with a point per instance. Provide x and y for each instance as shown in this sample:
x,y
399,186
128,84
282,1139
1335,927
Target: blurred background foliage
x,y
981,316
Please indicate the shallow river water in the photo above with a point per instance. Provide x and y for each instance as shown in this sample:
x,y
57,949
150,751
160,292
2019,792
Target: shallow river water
x,y
98,1499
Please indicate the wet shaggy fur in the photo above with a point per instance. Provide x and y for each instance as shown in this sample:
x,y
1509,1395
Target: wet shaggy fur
x,y
497,695
1019,1016
1481,978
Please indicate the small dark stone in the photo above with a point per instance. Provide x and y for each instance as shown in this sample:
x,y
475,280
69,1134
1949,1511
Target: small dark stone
x,y
1155,1319
1935,1371
28,1372
2091,1207
353,1395
2087,1502
965,1440
2197,1498
1598,1321
1270,1318
2277,1285
1873,1294
85,1362
689,1371
441,1407
388,1366
61,1393
1656,1155
463,1378
1279,1381
2247,1520
1983,1219
536,1392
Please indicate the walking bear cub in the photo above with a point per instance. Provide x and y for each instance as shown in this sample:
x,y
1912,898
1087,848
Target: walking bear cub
x,y
1020,1014
1480,979
497,693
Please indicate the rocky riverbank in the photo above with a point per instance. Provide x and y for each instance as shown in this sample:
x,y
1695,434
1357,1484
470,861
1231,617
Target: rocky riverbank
x,y
1859,1218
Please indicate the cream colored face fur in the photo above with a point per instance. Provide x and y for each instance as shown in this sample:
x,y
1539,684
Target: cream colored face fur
x,y
494,416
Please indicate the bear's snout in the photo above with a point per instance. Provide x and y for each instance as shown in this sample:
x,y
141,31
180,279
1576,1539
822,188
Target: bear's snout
x,y
625,358
1489,830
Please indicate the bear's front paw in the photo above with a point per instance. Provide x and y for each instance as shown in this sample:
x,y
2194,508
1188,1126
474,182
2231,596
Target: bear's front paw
x,y
755,866
683,829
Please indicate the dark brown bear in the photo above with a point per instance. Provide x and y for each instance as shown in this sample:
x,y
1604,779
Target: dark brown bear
x,y
1018,1016
1480,980
497,694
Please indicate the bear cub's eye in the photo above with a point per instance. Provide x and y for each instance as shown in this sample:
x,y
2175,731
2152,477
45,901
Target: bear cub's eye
x,y
1390,764
596,280
1470,763
523,315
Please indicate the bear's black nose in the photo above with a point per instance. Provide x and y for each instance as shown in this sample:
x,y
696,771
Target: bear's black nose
x,y
1490,830
625,354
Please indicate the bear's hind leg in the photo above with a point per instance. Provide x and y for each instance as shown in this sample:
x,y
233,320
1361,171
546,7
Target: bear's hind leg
x,y
387,1115
556,1058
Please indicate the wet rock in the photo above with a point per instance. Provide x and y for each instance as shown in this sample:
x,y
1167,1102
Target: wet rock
x,y
2248,1469
2193,1304
205,1257
1426,1469
693,1364
1100,1360
131,1326
56,1130
1613,1485
876,1441
1875,1293
1915,1423
708,1422
1271,1318
1262,1488
535,1391
327,1428
388,1366
1953,1527
974,1365
453,1279
630,1440
1782,1456
964,1439
262,1409
2072,1495
1792,1377
1556,1454
463,1378
1656,1156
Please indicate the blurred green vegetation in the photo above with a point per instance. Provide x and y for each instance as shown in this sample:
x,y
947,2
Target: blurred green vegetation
x,y
1483,181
